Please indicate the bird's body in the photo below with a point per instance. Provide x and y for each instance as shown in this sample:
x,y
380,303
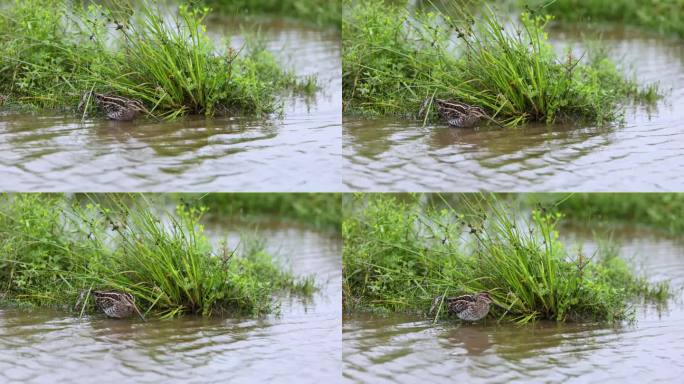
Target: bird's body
x,y
460,115
115,107
114,304
466,307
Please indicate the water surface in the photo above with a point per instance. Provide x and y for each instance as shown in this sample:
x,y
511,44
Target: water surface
x,y
405,349
277,153
300,345
646,153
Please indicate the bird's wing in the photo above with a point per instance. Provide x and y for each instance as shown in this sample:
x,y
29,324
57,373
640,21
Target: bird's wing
x,y
459,305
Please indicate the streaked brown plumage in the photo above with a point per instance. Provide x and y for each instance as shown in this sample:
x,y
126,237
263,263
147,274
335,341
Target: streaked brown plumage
x,y
466,307
114,107
114,304
460,115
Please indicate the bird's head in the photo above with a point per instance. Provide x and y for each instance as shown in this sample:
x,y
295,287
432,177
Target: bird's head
x,y
478,112
136,106
484,296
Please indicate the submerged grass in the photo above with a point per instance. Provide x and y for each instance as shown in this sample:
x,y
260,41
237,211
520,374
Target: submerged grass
x,y
57,50
54,247
400,254
394,59
326,13
320,211
661,16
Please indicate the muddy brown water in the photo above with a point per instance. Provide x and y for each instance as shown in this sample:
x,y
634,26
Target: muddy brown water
x,y
397,155
300,345
59,153
405,349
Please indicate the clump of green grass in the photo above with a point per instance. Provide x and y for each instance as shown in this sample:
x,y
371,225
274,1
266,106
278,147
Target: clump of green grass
x,y
55,247
59,50
661,16
656,210
400,255
316,210
395,59
320,12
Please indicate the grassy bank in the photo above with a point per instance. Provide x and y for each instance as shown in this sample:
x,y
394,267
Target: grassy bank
x,y
57,50
660,16
320,12
393,59
321,211
660,211
54,247
400,254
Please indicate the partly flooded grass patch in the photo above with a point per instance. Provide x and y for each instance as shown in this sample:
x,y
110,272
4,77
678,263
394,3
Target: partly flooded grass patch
x,y
55,247
402,253
159,55
396,61
660,211
321,211
324,13
661,16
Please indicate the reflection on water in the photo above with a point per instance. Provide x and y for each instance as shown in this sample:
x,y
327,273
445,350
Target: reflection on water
x,y
403,349
403,156
301,345
229,154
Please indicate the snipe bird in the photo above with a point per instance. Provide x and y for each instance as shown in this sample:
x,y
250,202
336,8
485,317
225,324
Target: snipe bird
x,y
466,307
460,115
115,107
114,304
